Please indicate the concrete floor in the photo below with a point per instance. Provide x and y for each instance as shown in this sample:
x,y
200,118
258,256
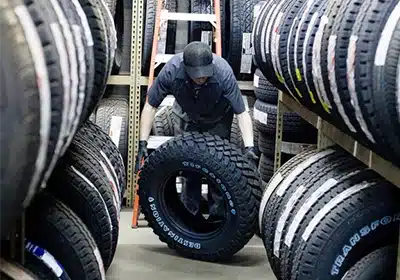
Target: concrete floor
x,y
140,255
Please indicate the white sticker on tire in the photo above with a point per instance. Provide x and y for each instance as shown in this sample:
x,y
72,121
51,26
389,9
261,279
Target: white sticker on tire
x,y
43,84
332,204
316,66
298,218
351,82
386,35
333,84
256,81
45,257
300,168
115,129
284,216
260,116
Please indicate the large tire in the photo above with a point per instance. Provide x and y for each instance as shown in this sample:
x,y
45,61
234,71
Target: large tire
x,y
358,216
109,108
380,264
284,52
76,11
263,89
52,225
69,12
24,127
82,195
234,50
84,160
98,29
102,144
219,162
62,116
43,264
162,125
148,31
379,105
275,200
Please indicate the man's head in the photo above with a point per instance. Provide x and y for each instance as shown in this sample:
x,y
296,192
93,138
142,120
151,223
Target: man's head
x,y
198,61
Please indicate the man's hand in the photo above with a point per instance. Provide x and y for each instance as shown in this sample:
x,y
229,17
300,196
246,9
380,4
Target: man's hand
x,y
251,156
142,155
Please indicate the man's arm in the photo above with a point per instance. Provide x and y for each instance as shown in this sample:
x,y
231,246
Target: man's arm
x,y
158,91
233,94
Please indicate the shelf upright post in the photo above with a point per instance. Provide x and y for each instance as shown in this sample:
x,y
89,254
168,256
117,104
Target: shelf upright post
x,y
134,96
281,109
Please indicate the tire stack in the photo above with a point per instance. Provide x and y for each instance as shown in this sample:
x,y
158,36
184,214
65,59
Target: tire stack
x,y
323,214
296,132
55,60
339,59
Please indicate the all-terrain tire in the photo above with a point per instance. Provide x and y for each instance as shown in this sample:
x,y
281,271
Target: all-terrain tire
x,y
52,225
217,160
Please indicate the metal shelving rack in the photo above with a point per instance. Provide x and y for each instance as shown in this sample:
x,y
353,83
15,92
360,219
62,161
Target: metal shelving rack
x,y
134,80
329,135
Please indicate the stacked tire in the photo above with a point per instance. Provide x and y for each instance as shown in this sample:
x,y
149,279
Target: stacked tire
x,y
81,202
296,132
339,59
56,58
323,212
62,45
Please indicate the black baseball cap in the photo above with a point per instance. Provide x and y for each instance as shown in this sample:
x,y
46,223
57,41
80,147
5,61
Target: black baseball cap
x,y
198,60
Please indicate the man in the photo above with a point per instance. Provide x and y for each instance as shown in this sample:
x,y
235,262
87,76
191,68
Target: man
x,y
206,97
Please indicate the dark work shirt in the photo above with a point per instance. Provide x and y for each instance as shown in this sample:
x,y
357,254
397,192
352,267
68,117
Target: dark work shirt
x,y
206,103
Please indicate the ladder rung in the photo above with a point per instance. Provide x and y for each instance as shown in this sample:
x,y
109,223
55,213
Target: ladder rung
x,y
189,16
156,141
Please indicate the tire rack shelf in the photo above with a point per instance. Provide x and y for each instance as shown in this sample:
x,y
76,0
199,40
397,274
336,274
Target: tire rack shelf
x,y
134,80
329,135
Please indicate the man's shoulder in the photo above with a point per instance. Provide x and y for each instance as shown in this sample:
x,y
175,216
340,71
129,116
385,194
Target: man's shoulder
x,y
222,69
